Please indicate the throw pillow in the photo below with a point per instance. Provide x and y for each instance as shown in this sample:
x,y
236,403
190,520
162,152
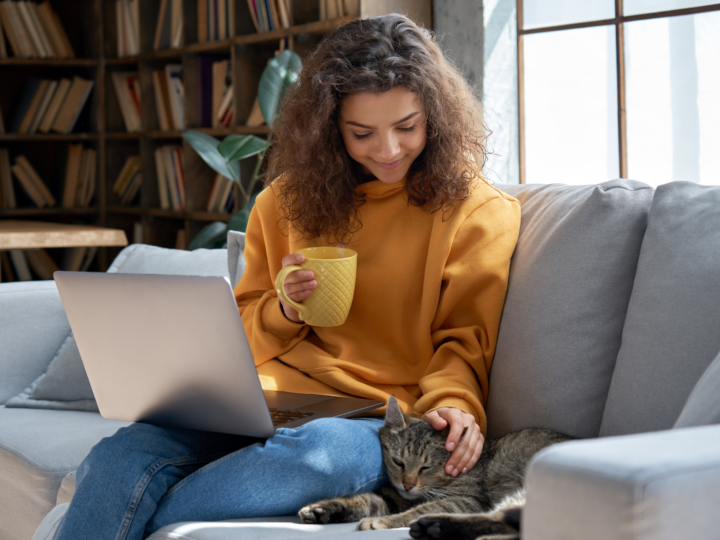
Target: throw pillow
x,y
236,256
570,282
671,333
703,406
63,386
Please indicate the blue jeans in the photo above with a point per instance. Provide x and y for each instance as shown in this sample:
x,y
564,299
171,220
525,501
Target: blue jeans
x,y
145,477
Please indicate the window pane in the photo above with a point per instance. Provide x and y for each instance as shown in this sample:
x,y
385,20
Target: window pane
x,y
673,112
635,7
571,133
540,13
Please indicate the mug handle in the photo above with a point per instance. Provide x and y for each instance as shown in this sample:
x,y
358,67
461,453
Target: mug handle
x,y
280,289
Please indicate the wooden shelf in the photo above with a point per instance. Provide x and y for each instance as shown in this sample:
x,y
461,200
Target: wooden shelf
x,y
60,62
55,211
9,137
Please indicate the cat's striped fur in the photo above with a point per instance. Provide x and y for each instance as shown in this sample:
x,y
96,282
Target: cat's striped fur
x,y
486,502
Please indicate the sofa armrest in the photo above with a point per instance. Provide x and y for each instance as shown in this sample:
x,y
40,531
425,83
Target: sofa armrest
x,y
33,325
651,486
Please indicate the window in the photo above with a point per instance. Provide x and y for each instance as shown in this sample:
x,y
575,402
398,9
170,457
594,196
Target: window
x,y
610,88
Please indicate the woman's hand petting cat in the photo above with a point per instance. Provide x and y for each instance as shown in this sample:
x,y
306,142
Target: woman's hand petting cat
x,y
467,452
298,285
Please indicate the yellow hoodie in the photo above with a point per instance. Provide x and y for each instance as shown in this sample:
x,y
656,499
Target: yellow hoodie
x,y
428,298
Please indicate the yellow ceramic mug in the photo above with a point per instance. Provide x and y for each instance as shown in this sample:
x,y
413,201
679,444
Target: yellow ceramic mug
x,y
329,303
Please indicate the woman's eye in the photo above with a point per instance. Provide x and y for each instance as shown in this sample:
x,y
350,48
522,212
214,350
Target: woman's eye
x,y
409,129
361,137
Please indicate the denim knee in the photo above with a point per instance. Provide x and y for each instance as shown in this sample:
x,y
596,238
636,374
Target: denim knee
x,y
344,451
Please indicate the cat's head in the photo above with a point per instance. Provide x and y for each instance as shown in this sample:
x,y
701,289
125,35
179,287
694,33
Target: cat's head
x,y
414,454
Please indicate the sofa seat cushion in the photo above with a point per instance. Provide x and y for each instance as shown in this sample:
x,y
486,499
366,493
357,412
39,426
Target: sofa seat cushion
x,y
671,329
281,528
571,277
38,448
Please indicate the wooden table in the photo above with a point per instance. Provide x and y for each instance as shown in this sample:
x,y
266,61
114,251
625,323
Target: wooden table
x,y
18,234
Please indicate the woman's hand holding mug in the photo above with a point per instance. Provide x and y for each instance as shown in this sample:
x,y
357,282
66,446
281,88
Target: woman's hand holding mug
x,y
299,285
316,285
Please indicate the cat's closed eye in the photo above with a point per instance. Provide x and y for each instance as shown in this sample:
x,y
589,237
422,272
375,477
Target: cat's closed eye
x,y
398,463
424,468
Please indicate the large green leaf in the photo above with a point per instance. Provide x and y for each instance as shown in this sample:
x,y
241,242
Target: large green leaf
x,y
207,147
210,235
280,73
236,147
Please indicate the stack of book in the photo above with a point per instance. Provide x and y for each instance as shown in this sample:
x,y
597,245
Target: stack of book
x,y
270,14
128,183
127,89
169,29
80,177
33,30
170,168
15,264
215,19
332,9
32,183
7,192
222,195
46,104
127,19
169,97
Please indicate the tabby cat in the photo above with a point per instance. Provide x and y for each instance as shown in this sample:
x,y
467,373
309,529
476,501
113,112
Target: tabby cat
x,y
485,502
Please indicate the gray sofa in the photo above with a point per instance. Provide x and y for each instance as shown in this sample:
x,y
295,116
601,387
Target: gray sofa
x,y
610,333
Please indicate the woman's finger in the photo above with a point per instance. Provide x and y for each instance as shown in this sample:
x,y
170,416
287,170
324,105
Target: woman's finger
x,y
300,276
471,437
292,258
454,417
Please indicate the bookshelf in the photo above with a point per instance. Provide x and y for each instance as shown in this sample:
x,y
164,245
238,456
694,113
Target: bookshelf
x,y
92,30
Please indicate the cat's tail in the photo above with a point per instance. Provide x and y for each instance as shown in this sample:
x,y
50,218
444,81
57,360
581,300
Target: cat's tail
x,y
501,523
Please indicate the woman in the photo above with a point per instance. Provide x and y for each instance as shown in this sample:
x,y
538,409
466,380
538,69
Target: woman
x,y
378,148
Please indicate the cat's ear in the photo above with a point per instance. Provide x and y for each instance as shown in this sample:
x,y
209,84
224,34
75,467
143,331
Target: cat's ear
x,y
394,417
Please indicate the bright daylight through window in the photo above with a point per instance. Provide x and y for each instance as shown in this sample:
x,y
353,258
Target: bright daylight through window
x,y
578,63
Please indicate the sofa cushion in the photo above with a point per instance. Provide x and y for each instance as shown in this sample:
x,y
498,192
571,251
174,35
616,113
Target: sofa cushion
x,y
703,405
236,256
671,329
570,282
144,259
32,327
63,386
38,448
281,528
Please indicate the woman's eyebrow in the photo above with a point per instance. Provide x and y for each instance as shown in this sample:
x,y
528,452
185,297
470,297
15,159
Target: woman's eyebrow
x,y
408,117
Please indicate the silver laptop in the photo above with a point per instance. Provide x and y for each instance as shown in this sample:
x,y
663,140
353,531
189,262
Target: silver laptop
x,y
172,350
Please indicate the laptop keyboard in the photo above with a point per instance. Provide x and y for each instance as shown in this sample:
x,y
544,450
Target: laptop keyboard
x,y
282,416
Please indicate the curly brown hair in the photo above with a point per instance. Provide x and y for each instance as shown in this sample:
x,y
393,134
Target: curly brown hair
x,y
372,55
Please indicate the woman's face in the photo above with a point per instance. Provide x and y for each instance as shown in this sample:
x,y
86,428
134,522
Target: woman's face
x,y
384,132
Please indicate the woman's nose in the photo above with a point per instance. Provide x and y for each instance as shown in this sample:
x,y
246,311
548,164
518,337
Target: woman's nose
x,y
389,149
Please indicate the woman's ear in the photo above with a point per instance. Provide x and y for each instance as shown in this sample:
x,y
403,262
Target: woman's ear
x,y
394,417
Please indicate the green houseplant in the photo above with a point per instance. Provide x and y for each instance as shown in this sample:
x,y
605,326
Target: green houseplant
x,y
224,156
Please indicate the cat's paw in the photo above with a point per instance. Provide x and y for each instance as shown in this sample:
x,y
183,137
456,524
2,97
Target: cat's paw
x,y
375,523
325,512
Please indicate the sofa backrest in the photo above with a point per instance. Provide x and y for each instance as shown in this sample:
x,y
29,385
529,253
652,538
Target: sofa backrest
x,y
33,325
571,278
